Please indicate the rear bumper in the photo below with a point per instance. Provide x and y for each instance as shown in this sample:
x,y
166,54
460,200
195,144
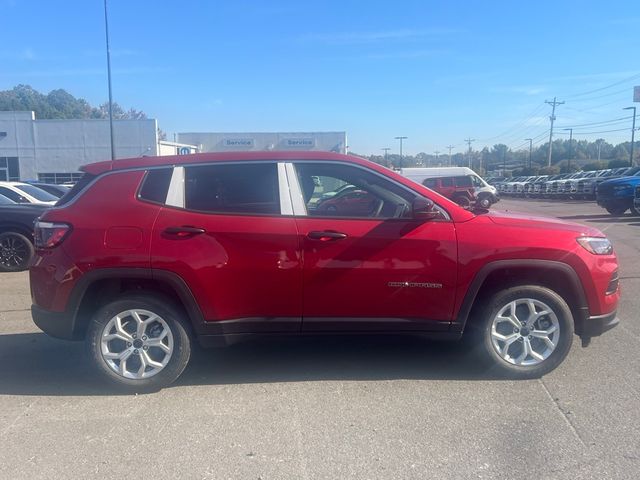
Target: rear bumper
x,y
596,325
55,324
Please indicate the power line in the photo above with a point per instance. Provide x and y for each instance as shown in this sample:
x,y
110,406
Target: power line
x,y
604,122
632,77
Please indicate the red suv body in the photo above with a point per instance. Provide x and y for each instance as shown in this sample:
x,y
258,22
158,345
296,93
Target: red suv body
x,y
144,255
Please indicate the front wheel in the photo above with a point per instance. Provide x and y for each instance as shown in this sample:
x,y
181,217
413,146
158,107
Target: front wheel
x,y
484,201
525,331
139,343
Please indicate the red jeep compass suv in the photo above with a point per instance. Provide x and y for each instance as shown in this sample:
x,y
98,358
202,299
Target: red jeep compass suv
x,y
146,255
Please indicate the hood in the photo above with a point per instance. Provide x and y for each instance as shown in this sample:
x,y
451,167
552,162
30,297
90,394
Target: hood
x,y
524,220
620,180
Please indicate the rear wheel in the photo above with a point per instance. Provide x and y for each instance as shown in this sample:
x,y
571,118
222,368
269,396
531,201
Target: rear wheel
x,y
139,343
16,251
525,332
463,201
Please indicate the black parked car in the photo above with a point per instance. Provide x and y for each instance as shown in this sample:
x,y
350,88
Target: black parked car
x,y
16,234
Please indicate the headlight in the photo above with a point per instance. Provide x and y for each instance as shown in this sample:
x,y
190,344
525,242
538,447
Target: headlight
x,y
596,245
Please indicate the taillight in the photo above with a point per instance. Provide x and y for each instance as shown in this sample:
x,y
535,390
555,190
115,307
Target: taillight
x,y
50,234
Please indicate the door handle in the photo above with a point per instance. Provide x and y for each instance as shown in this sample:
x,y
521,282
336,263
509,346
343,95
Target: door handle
x,y
326,235
184,231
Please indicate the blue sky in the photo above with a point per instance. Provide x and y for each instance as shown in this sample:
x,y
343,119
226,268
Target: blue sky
x,y
435,71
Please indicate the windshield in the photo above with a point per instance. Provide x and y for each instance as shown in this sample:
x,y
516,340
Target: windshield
x,y
37,193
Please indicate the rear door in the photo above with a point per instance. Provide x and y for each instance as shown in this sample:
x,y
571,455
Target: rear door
x,y
373,269
230,234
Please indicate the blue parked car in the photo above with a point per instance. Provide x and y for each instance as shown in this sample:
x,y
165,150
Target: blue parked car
x,y
616,196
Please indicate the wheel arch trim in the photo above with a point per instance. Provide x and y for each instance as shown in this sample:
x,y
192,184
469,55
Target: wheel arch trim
x,y
582,306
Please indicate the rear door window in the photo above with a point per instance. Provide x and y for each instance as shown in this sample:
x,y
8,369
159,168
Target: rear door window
x,y
463,182
155,185
244,188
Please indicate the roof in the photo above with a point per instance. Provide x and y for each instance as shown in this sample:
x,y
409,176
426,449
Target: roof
x,y
126,163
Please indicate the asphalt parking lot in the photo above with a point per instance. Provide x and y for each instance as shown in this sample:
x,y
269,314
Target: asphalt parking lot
x,y
330,408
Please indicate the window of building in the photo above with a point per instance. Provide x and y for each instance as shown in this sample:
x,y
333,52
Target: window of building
x,y
58,178
9,169
246,188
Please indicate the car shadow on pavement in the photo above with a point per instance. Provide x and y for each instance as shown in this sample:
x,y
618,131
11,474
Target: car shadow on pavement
x,y
35,364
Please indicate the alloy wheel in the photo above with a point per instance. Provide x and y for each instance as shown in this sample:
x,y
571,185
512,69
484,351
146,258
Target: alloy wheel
x,y
136,344
525,332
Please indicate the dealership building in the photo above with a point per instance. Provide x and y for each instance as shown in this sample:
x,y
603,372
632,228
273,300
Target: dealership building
x,y
53,150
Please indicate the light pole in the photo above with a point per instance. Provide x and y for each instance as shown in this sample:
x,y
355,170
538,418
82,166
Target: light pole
x,y
633,131
106,30
437,152
386,150
599,144
570,148
530,140
450,147
401,139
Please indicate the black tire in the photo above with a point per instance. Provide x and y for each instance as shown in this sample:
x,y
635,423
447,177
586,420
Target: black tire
x,y
616,211
462,200
484,201
482,336
181,343
16,252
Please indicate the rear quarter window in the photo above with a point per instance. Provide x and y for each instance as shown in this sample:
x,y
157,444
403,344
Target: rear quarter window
x,y
85,180
156,185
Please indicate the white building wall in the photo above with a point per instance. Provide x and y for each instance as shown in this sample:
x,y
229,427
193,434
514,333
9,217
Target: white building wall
x,y
61,146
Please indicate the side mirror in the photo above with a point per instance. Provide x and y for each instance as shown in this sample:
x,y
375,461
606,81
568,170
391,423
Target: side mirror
x,y
423,209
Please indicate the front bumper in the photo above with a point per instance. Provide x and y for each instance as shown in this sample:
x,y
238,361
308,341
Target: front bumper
x,y
55,324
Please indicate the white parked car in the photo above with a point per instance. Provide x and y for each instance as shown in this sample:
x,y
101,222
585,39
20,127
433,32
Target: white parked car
x,y
24,193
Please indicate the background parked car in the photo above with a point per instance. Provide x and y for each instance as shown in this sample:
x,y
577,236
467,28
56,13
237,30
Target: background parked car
x,y
55,190
24,193
460,184
617,196
16,234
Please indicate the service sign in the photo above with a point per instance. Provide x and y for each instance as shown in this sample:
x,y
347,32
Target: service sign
x,y
242,143
299,143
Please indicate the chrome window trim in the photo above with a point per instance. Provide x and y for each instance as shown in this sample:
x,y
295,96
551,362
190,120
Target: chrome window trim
x,y
299,205
286,204
175,194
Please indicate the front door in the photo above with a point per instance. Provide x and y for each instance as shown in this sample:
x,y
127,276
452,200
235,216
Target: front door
x,y
367,264
225,235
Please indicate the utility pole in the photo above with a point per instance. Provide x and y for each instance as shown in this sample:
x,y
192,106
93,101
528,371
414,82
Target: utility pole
x,y
386,150
450,147
570,149
530,140
633,131
599,143
106,30
401,139
552,118
504,161
468,141
437,152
